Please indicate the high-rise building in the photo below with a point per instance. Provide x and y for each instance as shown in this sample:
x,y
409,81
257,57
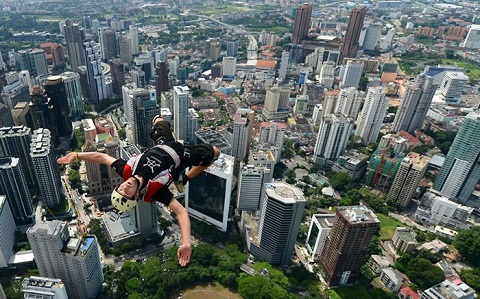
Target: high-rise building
x,y
117,71
192,126
407,179
282,73
352,74
46,168
133,31
472,41
229,67
272,133
7,232
264,159
370,119
213,49
354,27
138,77
250,186
320,227
42,114
33,61
76,261
332,138
414,104
15,142
302,22
272,238
243,121
74,36
347,244
146,63
461,170
232,48
101,178
108,43
327,74
25,78
44,288
161,77
95,77
2,293
124,51
208,195
372,36
301,104
348,102
452,87
14,185
276,103
74,94
55,90
181,103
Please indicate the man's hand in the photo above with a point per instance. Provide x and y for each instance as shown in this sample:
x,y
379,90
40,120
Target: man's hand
x,y
67,159
184,252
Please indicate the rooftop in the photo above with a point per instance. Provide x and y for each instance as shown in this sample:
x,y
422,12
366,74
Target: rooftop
x,y
284,192
357,214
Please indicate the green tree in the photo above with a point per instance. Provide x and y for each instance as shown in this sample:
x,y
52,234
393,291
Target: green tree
x,y
471,277
122,134
468,244
340,181
423,273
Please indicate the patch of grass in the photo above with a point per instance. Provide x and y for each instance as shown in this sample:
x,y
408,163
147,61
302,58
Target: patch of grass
x,y
221,9
472,70
212,291
387,226
347,292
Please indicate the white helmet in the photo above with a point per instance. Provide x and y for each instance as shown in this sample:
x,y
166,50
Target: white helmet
x,y
121,202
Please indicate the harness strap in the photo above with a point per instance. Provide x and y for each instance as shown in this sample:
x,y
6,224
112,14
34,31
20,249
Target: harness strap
x,y
171,152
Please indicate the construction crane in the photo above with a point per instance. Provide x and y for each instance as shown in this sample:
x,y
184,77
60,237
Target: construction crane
x,y
379,168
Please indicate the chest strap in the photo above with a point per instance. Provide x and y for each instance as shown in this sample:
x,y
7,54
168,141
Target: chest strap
x,y
171,152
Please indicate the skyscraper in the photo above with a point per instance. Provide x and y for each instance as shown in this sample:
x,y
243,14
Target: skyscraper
x,y
452,87
74,36
232,48
41,111
407,179
74,94
317,234
461,170
370,119
276,103
161,77
108,43
250,186
213,49
352,74
44,288
95,77
118,75
282,73
7,232
133,31
354,27
76,261
372,36
332,138
327,74
242,133
472,40
55,90
145,108
138,77
181,103
124,50
348,102
192,126
414,104
302,22
14,185
208,195
33,61
46,168
347,244
273,236
229,67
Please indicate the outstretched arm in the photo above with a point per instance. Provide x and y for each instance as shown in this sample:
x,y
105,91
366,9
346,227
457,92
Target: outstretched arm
x,y
185,250
95,157
195,170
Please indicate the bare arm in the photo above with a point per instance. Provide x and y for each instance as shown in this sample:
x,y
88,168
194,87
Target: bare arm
x,y
185,250
195,170
95,157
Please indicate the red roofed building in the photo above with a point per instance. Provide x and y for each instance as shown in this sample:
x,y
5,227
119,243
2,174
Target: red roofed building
x,y
412,141
408,293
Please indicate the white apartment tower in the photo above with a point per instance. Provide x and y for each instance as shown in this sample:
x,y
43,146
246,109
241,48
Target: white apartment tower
x,y
352,74
370,119
95,77
371,36
35,287
181,103
348,102
327,74
472,41
229,67
76,261
242,133
207,196
133,31
14,185
452,87
332,138
74,94
282,73
250,186
46,168
7,232
192,125
281,213
407,179
276,103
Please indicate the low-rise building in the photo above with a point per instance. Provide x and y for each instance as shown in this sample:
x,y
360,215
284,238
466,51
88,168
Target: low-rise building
x,y
352,163
450,288
378,263
392,279
404,240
